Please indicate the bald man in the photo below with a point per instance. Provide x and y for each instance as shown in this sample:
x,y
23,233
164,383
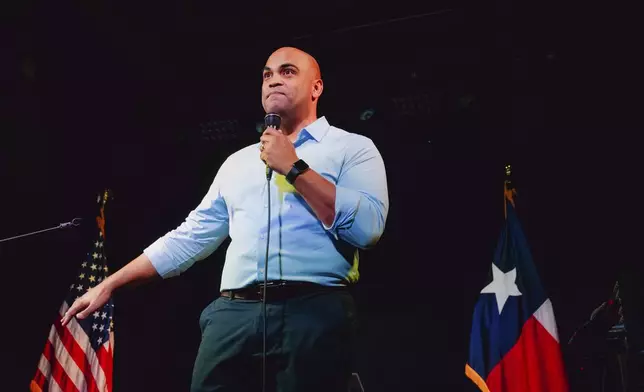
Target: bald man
x,y
328,199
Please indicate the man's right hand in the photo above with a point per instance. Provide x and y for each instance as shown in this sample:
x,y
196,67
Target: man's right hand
x,y
93,299
137,270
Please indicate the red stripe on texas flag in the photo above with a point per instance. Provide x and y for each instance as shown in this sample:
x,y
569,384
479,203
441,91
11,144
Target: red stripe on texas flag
x,y
534,364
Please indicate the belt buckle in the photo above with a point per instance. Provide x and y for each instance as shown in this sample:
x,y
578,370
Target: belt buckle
x,y
269,285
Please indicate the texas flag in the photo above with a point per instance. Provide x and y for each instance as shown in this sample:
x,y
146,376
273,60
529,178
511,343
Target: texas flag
x,y
514,346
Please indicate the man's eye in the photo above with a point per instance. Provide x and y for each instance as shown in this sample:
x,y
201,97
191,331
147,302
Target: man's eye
x,y
266,75
288,71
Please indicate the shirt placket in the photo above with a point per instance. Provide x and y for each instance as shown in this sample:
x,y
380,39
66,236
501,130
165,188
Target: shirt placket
x,y
262,235
273,271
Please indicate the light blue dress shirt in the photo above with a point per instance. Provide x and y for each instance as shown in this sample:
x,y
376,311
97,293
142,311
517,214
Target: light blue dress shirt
x,y
301,248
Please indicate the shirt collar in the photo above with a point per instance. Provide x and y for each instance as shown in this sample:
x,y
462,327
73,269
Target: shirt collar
x,y
317,129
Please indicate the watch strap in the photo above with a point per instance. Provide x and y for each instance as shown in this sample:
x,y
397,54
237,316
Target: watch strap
x,y
298,168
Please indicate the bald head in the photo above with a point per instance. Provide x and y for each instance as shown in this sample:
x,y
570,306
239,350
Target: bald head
x,y
295,53
292,82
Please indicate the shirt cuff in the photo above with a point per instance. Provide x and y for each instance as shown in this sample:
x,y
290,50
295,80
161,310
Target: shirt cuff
x,y
347,202
161,259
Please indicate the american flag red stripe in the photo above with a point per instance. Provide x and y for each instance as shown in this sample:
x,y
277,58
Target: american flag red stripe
x,y
78,357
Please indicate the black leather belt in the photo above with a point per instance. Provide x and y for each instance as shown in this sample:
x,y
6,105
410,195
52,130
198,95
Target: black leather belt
x,y
278,290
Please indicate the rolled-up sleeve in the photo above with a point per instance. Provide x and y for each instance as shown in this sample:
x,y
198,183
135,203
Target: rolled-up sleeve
x,y
361,198
205,228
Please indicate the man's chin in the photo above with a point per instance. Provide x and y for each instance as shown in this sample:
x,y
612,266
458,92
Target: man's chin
x,y
278,109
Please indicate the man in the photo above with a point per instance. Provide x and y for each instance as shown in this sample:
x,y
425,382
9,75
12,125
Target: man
x,y
320,217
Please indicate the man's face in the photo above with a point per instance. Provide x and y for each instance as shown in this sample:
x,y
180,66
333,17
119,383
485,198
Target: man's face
x,y
287,81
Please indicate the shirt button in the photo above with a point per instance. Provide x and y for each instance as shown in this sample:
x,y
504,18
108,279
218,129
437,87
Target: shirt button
x,y
265,205
262,236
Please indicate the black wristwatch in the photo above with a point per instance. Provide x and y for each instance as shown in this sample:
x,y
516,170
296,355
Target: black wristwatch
x,y
298,168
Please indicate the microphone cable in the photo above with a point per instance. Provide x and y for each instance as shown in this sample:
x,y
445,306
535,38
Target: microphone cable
x,y
270,120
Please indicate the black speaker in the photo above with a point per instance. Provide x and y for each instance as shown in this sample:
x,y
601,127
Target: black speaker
x,y
631,290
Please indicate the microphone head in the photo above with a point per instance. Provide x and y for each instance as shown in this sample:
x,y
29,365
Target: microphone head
x,y
272,120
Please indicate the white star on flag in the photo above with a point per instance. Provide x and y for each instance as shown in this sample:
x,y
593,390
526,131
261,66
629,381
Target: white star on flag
x,y
503,285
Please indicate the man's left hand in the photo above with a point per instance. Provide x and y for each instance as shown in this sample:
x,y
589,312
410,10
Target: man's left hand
x,y
277,151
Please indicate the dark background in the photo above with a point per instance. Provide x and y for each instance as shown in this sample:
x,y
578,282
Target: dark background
x,y
105,94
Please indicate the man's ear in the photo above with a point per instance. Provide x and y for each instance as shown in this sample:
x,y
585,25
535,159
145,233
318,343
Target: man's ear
x,y
316,90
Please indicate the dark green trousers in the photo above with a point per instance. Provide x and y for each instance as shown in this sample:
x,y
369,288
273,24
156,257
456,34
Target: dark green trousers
x,y
309,345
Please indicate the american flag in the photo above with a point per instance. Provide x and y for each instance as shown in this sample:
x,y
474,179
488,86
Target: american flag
x,y
79,356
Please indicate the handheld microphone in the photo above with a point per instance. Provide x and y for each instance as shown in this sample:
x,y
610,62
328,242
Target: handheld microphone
x,y
271,120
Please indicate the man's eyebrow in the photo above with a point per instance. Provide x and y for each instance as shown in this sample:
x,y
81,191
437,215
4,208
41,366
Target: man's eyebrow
x,y
285,65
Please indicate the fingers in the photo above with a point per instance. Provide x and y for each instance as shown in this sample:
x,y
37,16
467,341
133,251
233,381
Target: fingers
x,y
270,131
85,312
267,137
71,312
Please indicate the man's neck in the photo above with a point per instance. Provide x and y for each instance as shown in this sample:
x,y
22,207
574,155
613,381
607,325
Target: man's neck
x,y
292,127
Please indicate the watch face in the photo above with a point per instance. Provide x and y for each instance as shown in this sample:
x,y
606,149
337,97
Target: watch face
x,y
301,165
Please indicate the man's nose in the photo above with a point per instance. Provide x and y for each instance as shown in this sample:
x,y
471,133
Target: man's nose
x,y
275,83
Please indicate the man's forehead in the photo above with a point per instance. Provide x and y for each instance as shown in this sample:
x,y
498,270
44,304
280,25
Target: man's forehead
x,y
288,56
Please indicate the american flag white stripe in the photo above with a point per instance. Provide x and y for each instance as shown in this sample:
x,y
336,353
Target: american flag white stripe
x,y
53,386
83,341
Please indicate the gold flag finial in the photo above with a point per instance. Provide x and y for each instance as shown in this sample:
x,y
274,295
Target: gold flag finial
x,y
107,195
